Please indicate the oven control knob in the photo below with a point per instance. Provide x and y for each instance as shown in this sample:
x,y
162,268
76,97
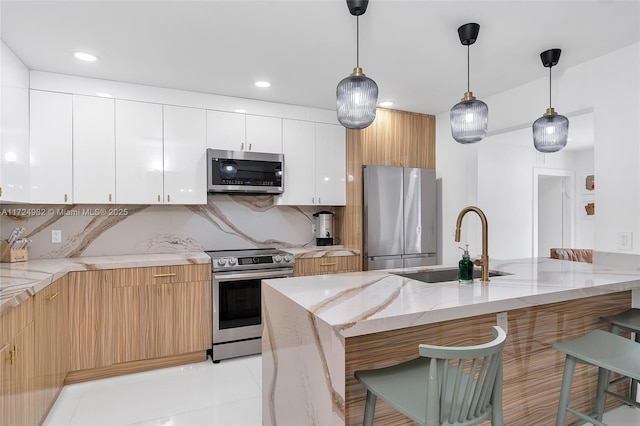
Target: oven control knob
x,y
232,261
222,261
287,258
278,258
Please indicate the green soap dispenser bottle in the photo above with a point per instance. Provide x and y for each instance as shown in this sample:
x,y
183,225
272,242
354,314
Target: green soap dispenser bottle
x,y
465,267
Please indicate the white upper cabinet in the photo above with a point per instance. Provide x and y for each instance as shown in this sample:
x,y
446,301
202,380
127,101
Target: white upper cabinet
x,y
264,134
315,164
241,132
50,147
331,165
185,143
94,150
298,144
139,156
225,130
14,127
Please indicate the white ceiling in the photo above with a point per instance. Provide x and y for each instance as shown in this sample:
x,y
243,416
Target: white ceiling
x,y
304,48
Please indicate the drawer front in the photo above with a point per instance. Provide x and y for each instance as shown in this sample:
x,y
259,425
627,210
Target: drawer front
x,y
327,265
132,277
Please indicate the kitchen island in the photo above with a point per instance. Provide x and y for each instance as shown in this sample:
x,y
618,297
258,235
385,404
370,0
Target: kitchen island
x,y
318,330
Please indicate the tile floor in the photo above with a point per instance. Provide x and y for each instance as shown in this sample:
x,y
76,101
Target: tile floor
x,y
224,394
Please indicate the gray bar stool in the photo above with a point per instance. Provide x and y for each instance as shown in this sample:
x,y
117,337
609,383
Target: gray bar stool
x,y
607,351
626,321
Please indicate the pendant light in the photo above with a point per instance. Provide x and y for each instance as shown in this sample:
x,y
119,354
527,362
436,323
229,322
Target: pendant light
x,y
357,95
550,132
470,117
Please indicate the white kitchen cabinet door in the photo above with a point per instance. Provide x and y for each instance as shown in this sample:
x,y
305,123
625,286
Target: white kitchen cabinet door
x,y
331,166
139,158
94,150
50,147
225,130
14,152
185,143
298,141
264,134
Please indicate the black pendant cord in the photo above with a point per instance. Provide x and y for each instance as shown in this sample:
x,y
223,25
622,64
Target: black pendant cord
x,y
550,87
357,41
468,67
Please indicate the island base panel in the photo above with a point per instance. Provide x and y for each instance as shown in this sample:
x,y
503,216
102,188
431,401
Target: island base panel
x,y
532,368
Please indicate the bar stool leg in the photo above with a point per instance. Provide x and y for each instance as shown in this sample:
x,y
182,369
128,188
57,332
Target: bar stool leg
x,y
369,409
634,382
565,390
603,383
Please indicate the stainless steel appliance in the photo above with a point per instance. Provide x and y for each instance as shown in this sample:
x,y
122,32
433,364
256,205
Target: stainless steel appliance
x,y
236,291
324,228
399,228
244,172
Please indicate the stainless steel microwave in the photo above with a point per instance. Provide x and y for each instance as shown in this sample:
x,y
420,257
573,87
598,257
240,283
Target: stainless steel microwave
x,y
244,172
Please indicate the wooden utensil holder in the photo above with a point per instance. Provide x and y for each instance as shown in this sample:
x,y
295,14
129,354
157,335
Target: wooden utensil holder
x,y
8,255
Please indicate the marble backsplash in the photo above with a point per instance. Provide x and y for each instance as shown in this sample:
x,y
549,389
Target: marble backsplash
x,y
226,222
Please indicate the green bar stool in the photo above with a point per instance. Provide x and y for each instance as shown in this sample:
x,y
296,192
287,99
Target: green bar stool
x,y
626,321
609,352
435,389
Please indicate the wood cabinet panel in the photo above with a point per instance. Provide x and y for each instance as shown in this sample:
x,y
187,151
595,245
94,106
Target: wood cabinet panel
x,y
135,324
51,344
190,325
89,302
327,265
17,392
161,275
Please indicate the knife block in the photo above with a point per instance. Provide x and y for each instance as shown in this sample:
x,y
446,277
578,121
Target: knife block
x,y
11,256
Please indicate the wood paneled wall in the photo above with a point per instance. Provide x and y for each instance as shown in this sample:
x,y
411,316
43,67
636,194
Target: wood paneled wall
x,y
395,138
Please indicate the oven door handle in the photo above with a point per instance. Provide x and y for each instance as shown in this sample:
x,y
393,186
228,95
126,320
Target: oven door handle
x,y
249,275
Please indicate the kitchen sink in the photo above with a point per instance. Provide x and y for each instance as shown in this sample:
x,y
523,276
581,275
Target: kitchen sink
x,y
442,275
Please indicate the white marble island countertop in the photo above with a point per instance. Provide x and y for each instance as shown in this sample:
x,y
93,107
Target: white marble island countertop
x,y
21,280
360,303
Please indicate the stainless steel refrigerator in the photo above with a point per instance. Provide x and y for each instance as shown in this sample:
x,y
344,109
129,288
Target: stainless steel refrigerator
x,y
399,217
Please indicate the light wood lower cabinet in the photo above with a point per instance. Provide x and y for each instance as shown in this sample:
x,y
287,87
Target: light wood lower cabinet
x,y
17,393
51,344
154,316
90,331
327,265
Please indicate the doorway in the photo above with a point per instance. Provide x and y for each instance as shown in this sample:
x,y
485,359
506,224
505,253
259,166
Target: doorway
x,y
553,210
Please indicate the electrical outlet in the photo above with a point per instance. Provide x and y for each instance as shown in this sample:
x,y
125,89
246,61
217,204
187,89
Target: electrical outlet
x,y
56,236
625,240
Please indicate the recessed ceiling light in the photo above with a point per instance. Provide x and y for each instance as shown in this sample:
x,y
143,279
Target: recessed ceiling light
x,y
385,104
104,95
85,56
262,83
241,111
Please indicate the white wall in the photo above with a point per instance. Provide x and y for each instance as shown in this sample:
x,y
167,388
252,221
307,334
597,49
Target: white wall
x,y
610,87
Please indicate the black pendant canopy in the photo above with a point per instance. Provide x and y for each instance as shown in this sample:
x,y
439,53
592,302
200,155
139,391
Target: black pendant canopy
x,y
468,33
551,57
357,7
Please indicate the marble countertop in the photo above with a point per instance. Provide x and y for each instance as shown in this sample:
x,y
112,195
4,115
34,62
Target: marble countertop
x,y
21,280
360,303
320,251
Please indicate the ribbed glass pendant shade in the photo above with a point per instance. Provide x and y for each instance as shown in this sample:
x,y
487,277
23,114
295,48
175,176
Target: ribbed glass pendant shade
x,y
356,99
469,121
550,132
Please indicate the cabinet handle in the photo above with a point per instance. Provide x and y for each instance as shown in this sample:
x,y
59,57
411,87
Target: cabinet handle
x,y
0,191
328,264
164,275
106,279
242,146
109,197
159,199
65,198
13,354
319,200
168,290
53,296
313,200
168,198
159,291
249,147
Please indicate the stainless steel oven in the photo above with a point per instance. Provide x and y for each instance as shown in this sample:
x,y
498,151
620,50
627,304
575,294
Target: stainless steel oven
x,y
236,290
